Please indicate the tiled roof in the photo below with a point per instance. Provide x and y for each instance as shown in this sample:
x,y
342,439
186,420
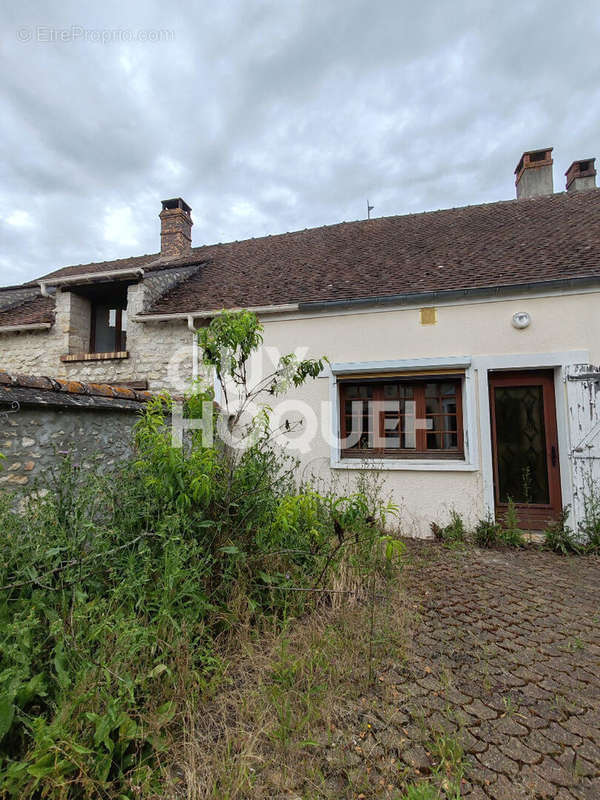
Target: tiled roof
x,y
492,245
497,244
29,312
149,263
37,390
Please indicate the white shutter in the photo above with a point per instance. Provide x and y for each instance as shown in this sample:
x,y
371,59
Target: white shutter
x,y
583,395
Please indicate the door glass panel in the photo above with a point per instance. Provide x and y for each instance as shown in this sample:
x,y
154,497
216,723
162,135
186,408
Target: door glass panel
x,y
521,444
105,331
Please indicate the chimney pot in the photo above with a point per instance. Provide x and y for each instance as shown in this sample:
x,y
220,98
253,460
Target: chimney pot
x,y
534,173
581,175
175,228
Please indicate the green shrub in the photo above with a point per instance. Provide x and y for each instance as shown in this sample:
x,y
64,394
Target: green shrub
x,y
453,533
560,538
488,532
589,527
115,589
511,534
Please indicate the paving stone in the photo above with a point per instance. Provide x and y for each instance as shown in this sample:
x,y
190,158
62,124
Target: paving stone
x,y
553,772
497,630
590,751
540,788
417,758
577,726
520,752
508,789
546,747
480,711
471,743
510,726
557,733
496,761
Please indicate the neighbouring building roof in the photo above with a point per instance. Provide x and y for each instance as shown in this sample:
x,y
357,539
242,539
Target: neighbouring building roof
x,y
148,262
52,392
509,243
28,312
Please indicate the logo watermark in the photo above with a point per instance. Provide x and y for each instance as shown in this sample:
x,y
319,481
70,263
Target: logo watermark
x,y
296,425
48,34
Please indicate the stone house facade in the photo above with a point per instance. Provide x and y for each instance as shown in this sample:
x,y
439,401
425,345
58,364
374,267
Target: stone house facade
x,y
477,326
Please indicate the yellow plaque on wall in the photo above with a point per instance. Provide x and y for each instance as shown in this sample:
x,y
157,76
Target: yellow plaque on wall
x,y
428,316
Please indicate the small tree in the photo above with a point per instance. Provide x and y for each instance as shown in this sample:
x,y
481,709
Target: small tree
x,y
227,345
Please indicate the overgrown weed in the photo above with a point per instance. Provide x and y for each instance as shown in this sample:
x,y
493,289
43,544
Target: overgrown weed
x,y
124,597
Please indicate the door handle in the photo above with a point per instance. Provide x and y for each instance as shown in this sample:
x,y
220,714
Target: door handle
x,y
553,455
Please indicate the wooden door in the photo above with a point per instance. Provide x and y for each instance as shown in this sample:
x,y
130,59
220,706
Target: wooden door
x,y
525,446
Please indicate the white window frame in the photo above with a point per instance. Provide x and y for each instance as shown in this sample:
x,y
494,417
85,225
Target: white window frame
x,y
467,464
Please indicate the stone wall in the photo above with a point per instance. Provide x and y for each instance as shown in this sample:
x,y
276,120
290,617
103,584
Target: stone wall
x,y
34,439
159,353
43,419
157,283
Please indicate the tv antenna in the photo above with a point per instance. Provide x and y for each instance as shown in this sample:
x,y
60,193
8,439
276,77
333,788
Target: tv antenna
x,y
369,209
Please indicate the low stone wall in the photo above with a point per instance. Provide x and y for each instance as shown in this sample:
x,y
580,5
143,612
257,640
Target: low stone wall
x,y
42,420
35,439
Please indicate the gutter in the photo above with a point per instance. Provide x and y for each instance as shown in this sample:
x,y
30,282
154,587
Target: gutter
x,y
89,276
407,299
446,295
192,315
32,326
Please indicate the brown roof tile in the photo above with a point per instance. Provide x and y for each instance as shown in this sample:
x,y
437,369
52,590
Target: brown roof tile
x,y
38,390
505,243
39,309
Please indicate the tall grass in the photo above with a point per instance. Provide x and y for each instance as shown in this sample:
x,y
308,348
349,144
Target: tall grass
x,y
121,592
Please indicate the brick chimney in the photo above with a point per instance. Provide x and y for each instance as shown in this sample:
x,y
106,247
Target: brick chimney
x,y
175,228
581,175
534,173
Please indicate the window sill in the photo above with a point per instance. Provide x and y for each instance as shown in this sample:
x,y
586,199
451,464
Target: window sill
x,y
406,464
95,356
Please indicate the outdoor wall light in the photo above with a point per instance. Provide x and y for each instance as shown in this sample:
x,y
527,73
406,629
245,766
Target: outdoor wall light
x,y
520,320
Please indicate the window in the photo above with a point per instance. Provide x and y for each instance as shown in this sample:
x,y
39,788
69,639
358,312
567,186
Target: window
x,y
415,417
108,328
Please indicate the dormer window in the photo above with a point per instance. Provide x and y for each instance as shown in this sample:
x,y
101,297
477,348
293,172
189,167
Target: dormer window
x,y
97,322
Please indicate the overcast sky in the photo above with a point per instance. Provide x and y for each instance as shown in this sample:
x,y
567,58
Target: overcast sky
x,y
275,115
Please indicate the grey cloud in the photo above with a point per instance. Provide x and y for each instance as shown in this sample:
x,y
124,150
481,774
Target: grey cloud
x,y
270,116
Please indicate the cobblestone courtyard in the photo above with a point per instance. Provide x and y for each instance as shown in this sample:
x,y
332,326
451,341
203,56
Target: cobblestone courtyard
x,y
505,657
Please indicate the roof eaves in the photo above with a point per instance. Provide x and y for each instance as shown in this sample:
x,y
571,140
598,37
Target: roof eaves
x,y
25,326
448,295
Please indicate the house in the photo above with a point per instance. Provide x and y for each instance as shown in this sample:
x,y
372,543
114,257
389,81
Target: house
x,y
461,342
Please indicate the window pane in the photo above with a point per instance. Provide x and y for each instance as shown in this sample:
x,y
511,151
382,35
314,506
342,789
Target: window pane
x,y
105,319
393,425
447,440
356,391
393,390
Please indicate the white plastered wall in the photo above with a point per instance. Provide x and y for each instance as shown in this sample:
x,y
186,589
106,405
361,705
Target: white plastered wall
x,y
564,329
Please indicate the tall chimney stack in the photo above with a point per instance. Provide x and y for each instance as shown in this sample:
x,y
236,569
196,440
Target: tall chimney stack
x,y
581,175
175,228
534,173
